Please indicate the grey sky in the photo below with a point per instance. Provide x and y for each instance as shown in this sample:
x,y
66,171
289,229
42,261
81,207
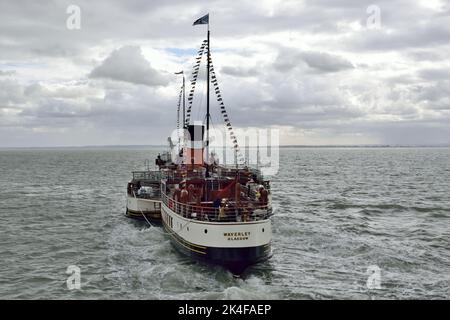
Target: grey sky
x,y
312,69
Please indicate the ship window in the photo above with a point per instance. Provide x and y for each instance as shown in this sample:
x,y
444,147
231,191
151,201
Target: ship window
x,y
206,230
263,229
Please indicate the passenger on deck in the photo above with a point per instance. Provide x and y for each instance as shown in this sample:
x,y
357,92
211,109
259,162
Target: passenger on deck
x,y
245,215
191,192
217,203
237,192
158,161
176,197
184,198
212,159
248,189
264,196
222,212
246,172
199,193
177,194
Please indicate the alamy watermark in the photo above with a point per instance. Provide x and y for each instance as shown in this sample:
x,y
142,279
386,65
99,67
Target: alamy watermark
x,y
73,21
373,21
374,279
73,282
256,147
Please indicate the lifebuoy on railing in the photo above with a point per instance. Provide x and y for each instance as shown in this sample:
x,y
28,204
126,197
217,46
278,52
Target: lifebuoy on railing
x,y
170,203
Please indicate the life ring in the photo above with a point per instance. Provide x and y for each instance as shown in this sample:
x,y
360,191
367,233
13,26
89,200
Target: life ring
x,y
170,203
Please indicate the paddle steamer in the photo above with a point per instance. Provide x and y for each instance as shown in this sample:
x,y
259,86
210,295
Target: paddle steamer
x,y
215,213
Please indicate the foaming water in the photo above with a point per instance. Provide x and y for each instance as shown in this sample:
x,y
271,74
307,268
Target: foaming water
x,y
338,212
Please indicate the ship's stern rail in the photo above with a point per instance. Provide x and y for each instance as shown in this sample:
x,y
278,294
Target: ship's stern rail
x,y
209,234
244,211
144,190
153,175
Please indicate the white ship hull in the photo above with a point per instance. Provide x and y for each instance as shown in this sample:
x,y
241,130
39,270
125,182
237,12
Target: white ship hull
x,y
235,245
138,207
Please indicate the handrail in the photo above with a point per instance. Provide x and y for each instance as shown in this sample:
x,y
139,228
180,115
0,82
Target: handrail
x,y
242,213
223,171
154,195
229,171
148,175
182,174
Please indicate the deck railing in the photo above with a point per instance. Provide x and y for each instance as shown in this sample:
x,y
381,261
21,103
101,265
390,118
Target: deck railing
x,y
223,171
244,212
149,175
153,195
182,174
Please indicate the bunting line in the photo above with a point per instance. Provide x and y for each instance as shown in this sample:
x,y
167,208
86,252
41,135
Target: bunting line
x,y
178,109
213,79
193,81
225,116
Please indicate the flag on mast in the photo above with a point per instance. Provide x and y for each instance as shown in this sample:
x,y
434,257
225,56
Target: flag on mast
x,y
202,20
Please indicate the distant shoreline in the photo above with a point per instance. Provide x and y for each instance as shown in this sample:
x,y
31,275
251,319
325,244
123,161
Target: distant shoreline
x,y
282,146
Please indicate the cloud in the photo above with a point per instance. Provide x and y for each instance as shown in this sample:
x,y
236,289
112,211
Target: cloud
x,y
312,68
325,62
7,72
237,71
11,92
129,65
290,58
435,73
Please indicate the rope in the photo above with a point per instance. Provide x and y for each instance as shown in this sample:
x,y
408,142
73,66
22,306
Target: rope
x,y
213,79
194,80
178,108
158,229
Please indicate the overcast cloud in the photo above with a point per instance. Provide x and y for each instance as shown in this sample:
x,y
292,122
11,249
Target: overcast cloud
x,y
315,70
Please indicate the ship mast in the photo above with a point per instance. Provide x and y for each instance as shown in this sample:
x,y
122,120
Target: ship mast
x,y
207,104
205,20
182,93
184,102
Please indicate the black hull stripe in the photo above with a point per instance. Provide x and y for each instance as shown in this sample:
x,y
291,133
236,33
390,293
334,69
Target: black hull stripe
x,y
235,259
155,212
152,216
186,244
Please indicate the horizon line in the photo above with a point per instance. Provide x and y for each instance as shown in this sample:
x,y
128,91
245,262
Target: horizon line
x,y
442,145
